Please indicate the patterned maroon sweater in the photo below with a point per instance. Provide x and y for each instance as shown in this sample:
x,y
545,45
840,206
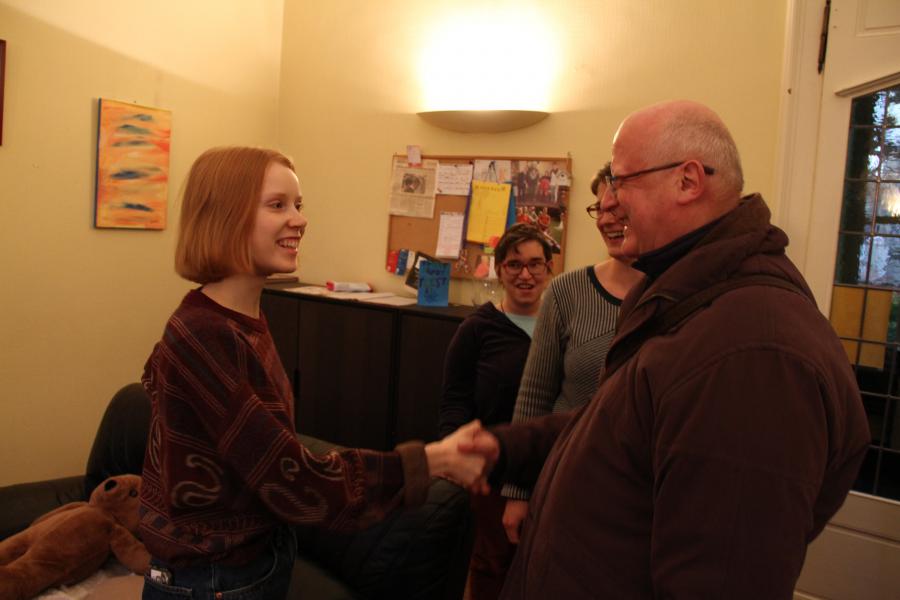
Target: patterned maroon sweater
x,y
223,465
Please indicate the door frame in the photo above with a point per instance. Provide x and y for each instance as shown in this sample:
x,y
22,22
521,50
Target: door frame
x,y
798,127
798,141
866,528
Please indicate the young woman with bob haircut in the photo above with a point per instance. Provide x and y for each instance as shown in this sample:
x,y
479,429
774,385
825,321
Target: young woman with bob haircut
x,y
224,474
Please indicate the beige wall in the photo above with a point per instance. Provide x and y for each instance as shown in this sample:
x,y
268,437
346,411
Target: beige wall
x,y
349,93
81,307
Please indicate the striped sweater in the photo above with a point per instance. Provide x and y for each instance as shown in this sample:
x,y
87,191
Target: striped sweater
x,y
223,465
574,330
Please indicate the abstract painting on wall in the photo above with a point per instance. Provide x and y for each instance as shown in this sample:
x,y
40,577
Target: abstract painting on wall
x,y
132,166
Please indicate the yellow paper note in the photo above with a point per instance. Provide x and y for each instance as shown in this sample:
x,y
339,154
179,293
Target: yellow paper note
x,y
487,211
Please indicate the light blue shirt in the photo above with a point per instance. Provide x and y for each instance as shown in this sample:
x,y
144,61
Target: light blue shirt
x,y
525,322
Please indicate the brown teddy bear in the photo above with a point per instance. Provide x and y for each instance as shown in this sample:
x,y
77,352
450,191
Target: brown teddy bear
x,y
68,544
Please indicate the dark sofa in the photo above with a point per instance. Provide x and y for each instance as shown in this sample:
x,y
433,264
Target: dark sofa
x,y
416,553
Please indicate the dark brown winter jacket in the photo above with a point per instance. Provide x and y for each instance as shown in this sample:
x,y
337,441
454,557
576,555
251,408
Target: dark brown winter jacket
x,y
709,460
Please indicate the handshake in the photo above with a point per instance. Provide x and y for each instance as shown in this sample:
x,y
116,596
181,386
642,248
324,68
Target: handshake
x,y
465,457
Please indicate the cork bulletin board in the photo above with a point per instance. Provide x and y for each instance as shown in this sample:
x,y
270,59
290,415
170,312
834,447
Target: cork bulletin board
x,y
540,190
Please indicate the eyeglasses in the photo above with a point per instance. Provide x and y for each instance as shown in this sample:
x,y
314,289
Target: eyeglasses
x,y
611,180
535,267
594,211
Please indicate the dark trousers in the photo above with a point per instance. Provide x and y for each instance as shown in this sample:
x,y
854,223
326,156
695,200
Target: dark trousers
x,y
492,552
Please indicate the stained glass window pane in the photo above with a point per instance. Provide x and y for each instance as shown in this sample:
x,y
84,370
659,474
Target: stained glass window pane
x,y
846,310
892,425
869,109
852,258
884,269
864,153
890,163
875,409
888,219
893,330
878,313
878,380
858,206
893,107
865,482
889,476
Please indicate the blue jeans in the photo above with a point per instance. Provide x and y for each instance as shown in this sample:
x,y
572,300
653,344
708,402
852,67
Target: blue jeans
x,y
266,577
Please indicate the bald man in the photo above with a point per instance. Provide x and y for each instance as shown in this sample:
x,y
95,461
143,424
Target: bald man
x,y
728,427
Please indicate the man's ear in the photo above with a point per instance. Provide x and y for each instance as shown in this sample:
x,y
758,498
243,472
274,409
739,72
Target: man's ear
x,y
692,182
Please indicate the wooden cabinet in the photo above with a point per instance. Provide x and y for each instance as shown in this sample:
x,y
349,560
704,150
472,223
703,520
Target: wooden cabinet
x,y
423,343
345,381
364,375
282,315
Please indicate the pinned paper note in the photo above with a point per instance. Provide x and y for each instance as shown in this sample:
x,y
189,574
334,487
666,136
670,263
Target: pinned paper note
x,y
496,171
450,232
454,180
487,211
414,156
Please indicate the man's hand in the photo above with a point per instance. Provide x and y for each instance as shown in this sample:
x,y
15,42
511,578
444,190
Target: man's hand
x,y
481,443
513,515
445,459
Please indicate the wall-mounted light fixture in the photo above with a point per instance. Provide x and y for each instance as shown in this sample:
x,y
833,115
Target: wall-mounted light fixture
x,y
488,69
483,121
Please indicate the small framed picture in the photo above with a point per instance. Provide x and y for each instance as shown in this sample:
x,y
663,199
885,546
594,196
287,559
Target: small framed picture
x,y
2,78
412,275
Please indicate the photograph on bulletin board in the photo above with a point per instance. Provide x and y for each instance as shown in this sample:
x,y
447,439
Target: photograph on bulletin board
x,y
541,192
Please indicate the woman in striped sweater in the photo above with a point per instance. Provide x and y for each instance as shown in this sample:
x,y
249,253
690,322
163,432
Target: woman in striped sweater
x,y
574,330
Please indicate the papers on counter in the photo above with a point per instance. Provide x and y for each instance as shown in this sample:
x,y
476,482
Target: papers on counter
x,y
376,297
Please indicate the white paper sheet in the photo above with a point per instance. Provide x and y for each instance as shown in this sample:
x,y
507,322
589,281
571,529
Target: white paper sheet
x,y
495,171
310,290
393,301
450,234
359,295
454,180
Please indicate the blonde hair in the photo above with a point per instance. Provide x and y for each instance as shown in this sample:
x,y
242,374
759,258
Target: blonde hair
x,y
218,211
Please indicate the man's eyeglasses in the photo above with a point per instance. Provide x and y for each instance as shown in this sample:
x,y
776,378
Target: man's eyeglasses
x,y
514,267
612,180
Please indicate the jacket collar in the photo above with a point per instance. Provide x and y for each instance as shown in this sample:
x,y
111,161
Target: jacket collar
x,y
716,256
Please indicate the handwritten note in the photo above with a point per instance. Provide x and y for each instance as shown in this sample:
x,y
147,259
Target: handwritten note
x,y
487,211
454,180
450,232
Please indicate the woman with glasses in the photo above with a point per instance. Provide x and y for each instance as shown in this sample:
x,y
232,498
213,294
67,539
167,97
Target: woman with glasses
x,y
481,380
574,330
